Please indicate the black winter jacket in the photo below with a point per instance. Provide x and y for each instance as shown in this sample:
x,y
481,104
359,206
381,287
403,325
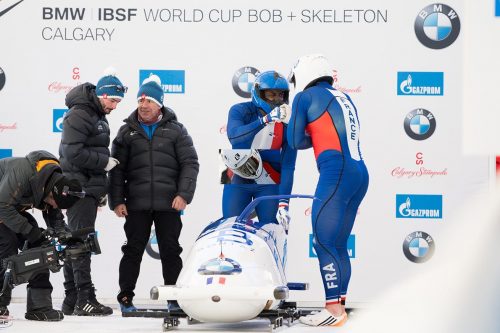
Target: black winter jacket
x,y
153,172
22,186
84,148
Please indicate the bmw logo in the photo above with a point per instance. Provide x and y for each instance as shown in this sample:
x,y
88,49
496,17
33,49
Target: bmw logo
x,y
220,265
437,26
418,247
2,78
419,124
243,81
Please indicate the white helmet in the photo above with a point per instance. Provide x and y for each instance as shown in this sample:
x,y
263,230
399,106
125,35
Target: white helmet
x,y
308,69
246,163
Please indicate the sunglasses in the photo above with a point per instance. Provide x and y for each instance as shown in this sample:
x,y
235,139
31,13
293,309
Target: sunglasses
x,y
66,192
118,87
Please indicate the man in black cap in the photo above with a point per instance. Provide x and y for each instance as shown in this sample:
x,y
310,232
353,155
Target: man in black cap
x,y
34,181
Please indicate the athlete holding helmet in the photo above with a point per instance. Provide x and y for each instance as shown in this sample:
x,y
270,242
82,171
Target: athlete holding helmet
x,y
260,124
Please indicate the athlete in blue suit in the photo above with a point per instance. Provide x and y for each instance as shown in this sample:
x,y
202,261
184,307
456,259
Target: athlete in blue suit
x,y
259,124
327,120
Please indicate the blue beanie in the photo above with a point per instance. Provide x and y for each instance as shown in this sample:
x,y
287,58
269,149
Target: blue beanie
x,y
109,86
151,89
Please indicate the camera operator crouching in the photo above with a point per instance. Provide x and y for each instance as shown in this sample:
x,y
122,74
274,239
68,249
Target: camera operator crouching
x,y
34,181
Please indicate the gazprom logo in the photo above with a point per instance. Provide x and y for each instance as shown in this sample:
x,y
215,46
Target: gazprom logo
x,y
57,120
419,206
5,153
351,246
420,83
172,81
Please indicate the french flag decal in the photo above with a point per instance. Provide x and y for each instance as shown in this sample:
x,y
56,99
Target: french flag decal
x,y
220,280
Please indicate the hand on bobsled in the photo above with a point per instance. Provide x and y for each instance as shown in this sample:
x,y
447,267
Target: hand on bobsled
x,y
283,216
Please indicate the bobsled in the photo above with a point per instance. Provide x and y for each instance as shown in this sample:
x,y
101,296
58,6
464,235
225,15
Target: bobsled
x,y
235,271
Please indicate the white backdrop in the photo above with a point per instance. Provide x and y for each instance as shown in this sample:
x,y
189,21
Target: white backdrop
x,y
51,46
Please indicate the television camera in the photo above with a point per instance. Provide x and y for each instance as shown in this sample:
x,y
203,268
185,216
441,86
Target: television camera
x,y
59,246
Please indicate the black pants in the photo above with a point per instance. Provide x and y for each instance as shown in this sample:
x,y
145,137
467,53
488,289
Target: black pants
x,y
137,228
77,272
10,244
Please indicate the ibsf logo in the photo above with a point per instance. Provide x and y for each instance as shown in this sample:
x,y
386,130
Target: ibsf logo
x,y
2,78
172,81
243,80
419,124
57,120
418,247
419,206
437,26
5,153
351,247
420,83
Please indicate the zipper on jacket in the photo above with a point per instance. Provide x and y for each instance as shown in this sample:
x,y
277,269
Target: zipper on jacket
x,y
151,166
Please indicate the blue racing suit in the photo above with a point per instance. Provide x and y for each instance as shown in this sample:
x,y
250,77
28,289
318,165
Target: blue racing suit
x,y
327,120
245,131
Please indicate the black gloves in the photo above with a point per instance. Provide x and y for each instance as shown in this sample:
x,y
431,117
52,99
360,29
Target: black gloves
x,y
34,235
53,217
36,238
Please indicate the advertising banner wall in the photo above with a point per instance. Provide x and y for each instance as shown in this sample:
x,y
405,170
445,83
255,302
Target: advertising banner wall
x,y
401,62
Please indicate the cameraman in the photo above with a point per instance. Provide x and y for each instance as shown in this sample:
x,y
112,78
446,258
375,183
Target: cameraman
x,y
34,181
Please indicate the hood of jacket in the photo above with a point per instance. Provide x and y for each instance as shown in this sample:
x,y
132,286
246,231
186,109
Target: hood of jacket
x,y
45,165
84,95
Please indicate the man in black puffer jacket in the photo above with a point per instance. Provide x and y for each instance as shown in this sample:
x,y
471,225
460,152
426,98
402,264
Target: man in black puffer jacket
x,y
154,181
85,156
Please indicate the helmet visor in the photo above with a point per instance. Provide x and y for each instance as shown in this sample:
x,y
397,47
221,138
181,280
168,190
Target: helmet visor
x,y
249,169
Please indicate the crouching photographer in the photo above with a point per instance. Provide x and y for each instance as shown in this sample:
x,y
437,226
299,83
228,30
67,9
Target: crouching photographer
x,y
33,181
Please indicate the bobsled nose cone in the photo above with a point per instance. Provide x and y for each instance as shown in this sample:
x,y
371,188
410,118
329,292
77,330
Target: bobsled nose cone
x,y
154,293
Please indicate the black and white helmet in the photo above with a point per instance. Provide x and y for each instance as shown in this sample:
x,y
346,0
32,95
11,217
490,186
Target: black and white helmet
x,y
246,163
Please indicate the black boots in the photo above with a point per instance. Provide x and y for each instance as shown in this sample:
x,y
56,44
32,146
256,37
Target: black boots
x,y
87,304
39,306
44,314
68,305
4,312
126,304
